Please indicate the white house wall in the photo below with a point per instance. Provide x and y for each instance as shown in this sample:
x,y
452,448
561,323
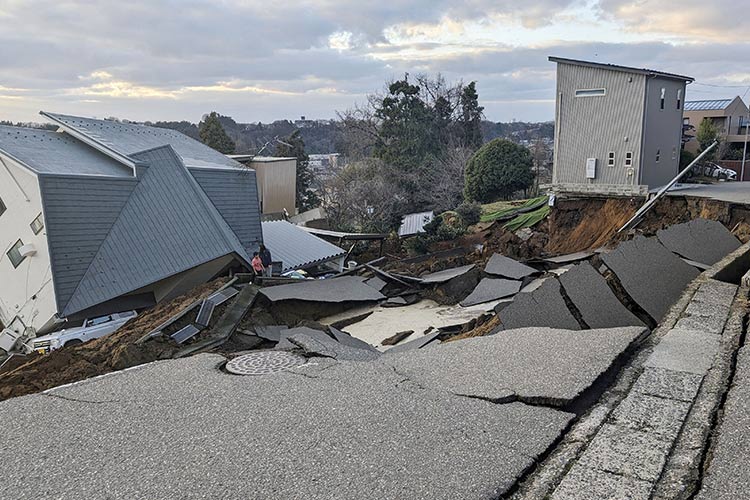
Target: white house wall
x,y
26,292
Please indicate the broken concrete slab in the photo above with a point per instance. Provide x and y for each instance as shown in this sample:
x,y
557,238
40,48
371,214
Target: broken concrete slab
x,y
671,384
344,289
627,452
284,342
688,351
377,283
500,265
652,275
701,240
568,258
598,305
662,417
544,306
490,289
415,344
270,332
331,349
506,366
446,275
583,483
359,432
727,476
346,339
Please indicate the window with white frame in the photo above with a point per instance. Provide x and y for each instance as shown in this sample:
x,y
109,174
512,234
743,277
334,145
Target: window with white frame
x,y
14,254
658,155
590,92
37,224
629,159
611,159
663,95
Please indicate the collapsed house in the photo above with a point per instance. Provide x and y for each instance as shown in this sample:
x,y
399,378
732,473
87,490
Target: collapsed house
x,y
101,216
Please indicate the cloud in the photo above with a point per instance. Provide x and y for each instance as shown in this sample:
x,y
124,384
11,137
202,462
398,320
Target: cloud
x,y
147,59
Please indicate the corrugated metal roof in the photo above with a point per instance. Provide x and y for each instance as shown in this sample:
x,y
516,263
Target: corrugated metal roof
x,y
414,223
129,138
707,105
46,151
617,67
296,248
167,225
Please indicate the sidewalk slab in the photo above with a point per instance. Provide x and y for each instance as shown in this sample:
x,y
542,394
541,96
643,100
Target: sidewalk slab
x,y
688,351
583,483
663,383
662,417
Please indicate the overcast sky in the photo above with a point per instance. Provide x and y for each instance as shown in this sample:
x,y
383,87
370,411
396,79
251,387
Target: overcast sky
x,y
268,60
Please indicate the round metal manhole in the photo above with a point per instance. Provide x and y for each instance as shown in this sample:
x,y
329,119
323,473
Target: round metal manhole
x,y
264,362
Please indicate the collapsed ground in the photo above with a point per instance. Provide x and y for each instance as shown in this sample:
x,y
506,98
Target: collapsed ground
x,y
573,225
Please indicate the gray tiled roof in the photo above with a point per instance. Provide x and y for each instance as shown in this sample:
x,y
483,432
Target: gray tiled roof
x,y
165,226
296,248
45,151
714,104
130,138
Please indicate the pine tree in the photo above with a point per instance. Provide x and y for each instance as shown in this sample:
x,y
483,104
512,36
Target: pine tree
x,y
470,119
213,134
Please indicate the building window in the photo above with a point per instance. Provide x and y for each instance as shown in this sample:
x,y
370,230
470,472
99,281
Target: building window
x,y
663,93
674,153
14,254
3,208
679,98
590,92
37,224
629,159
611,159
658,155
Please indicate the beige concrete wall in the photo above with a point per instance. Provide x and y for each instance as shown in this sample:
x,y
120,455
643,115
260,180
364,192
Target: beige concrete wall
x,y
26,291
277,184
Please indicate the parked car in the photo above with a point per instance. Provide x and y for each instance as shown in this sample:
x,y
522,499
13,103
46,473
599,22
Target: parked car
x,y
91,329
711,169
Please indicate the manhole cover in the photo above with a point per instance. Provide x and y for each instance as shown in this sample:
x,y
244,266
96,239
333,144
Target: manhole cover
x,y
263,363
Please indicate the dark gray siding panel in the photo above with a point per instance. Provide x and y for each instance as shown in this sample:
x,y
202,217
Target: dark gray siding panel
x,y
235,196
78,214
662,133
167,226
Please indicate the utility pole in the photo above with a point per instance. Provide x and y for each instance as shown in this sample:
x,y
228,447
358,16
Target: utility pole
x,y
744,149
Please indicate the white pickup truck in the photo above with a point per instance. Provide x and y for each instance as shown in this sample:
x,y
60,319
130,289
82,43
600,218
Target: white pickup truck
x,y
92,329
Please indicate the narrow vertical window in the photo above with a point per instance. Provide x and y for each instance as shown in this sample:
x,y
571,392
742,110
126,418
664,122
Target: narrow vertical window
x,y
679,99
611,159
629,159
14,254
658,155
674,153
663,93
37,224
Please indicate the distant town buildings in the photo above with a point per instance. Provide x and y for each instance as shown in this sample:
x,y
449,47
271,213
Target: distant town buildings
x,y
729,116
618,130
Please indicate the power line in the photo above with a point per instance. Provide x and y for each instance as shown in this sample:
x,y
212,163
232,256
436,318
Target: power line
x,y
720,86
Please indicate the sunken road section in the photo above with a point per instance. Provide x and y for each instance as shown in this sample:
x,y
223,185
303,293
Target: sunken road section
x,y
393,427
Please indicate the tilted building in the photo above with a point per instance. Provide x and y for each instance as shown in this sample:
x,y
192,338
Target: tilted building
x,y
618,130
102,216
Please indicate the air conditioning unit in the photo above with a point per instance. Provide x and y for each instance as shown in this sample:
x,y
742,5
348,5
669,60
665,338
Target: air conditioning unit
x,y
28,250
8,339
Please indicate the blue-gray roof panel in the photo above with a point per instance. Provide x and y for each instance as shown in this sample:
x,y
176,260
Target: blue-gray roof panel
x,y
296,248
46,151
234,193
707,105
130,138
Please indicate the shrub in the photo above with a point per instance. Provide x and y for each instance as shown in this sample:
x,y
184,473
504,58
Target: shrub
x,y
469,212
497,170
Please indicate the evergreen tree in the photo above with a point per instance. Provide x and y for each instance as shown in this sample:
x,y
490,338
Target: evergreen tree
x,y
212,134
706,135
294,147
470,119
